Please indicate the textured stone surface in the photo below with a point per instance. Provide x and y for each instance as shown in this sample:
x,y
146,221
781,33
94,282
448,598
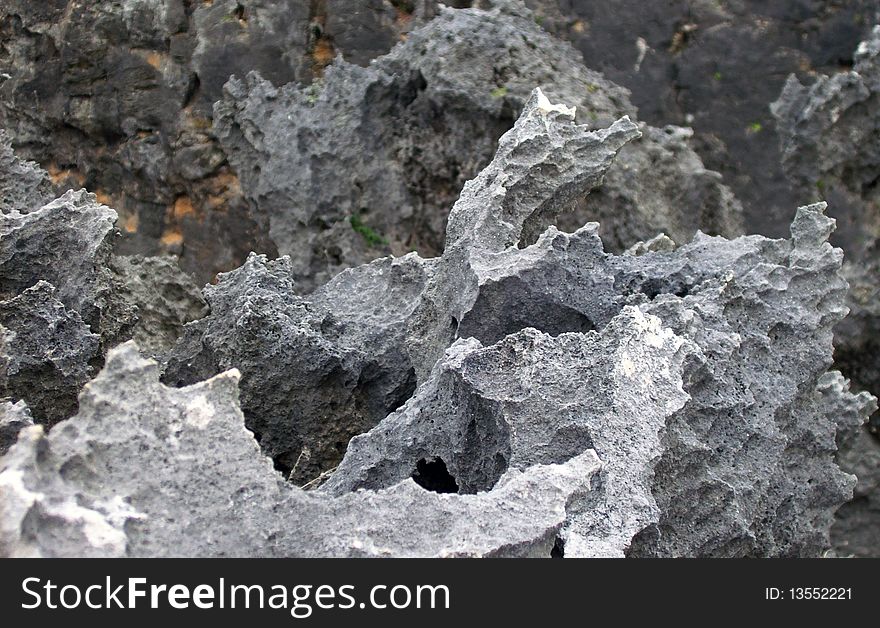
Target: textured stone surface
x,y
413,126
830,147
164,297
311,378
349,354
46,353
65,299
855,531
746,467
14,417
525,401
124,93
73,493
67,243
24,186
715,349
603,392
830,142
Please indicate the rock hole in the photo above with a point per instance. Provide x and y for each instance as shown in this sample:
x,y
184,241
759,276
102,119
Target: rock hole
x,y
558,550
508,306
432,475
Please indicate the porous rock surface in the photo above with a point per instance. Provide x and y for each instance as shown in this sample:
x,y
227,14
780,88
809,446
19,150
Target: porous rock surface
x,y
125,91
65,298
165,299
203,489
46,352
14,417
409,129
343,358
530,353
830,147
67,243
667,401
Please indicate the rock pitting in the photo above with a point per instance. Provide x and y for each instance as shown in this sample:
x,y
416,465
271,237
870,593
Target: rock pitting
x,y
413,126
669,401
571,350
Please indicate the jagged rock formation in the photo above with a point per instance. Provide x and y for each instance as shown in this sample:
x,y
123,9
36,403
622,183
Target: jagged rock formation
x,y
64,297
830,141
73,493
312,377
855,528
14,417
715,349
66,243
125,92
345,357
478,415
412,127
23,185
603,392
52,288
830,147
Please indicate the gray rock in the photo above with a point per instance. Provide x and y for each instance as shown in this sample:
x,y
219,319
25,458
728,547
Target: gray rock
x,y
746,467
312,376
829,141
413,126
24,186
47,353
14,417
536,399
67,243
716,350
64,300
321,369
659,184
163,296
855,530
203,489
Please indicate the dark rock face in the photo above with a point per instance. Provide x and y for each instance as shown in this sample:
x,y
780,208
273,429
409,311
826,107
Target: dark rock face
x,y
312,376
47,353
125,94
53,291
831,148
715,66
411,128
